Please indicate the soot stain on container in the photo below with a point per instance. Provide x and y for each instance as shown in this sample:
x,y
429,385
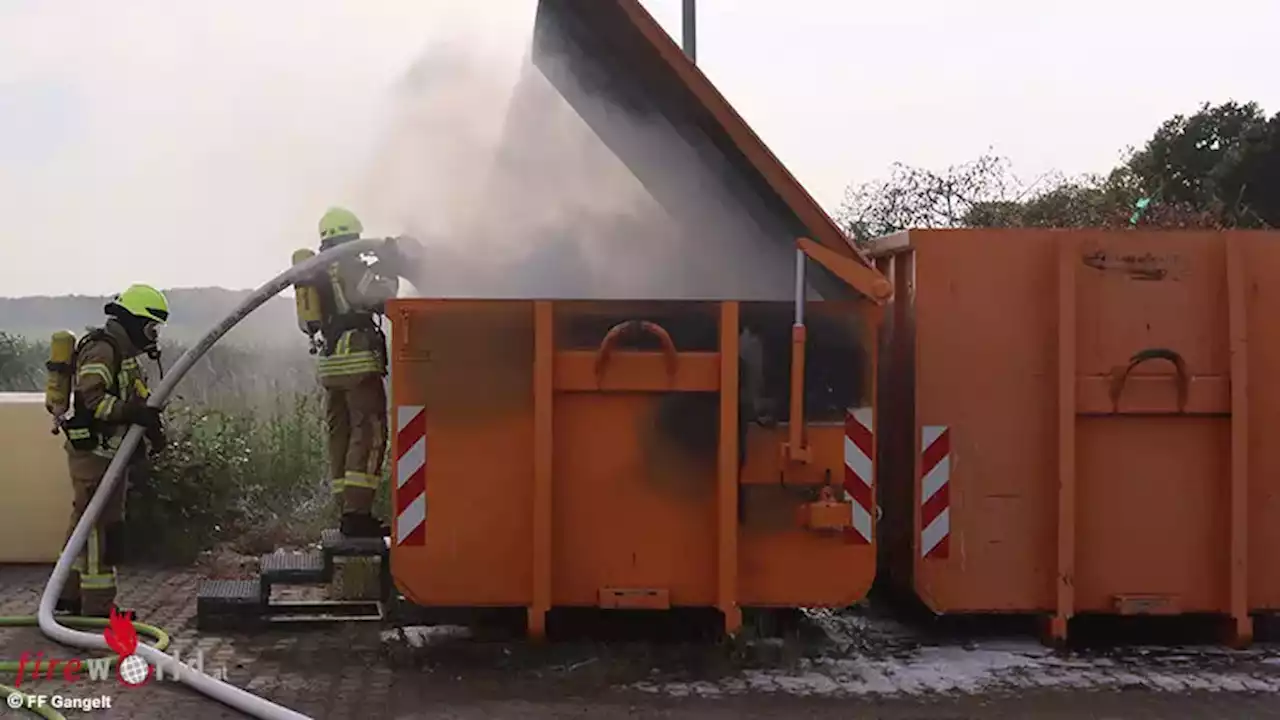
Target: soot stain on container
x,y
1144,266
834,365
682,433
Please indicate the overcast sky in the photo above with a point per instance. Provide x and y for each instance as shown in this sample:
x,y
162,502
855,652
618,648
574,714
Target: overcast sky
x,y
188,143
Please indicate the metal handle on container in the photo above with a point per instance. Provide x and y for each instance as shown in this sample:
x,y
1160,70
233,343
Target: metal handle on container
x,y
617,331
1179,365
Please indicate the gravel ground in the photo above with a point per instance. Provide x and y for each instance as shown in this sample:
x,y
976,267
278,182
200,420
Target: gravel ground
x,y
834,666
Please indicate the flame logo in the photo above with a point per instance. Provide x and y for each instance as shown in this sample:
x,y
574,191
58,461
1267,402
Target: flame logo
x,y
123,639
119,633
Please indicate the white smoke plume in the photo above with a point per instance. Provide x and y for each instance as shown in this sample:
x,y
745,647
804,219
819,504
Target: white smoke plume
x,y
515,195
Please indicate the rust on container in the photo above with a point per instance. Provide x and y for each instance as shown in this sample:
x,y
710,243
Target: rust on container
x,y
634,599
1069,422
1144,266
1146,605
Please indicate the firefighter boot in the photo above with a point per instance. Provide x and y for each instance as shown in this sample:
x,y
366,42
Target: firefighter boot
x,y
113,544
101,612
69,601
362,525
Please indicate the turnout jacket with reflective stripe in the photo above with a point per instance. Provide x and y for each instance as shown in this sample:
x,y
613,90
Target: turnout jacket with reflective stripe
x,y
104,390
354,293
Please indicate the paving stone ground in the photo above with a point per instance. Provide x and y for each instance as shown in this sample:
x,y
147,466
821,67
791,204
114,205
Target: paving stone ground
x,y
864,667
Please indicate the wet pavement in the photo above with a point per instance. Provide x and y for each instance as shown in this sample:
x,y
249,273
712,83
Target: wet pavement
x,y
836,666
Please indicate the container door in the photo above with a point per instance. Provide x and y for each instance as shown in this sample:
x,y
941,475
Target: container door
x,y
1148,448
636,428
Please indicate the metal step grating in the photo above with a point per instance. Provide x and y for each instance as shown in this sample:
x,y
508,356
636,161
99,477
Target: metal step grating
x,y
230,604
334,543
231,593
296,568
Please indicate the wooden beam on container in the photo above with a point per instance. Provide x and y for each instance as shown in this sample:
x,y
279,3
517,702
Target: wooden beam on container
x,y
1064,577
866,280
873,317
1237,325
727,481
543,399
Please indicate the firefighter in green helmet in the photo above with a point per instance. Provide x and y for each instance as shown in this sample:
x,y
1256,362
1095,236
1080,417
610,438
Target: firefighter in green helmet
x,y
109,393
352,367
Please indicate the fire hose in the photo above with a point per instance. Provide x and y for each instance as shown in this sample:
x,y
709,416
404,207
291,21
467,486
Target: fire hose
x,y
155,656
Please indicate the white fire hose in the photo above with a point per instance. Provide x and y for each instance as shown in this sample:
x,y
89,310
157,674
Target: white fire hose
x,y
223,692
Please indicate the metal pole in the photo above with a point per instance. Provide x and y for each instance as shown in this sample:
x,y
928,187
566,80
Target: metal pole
x,y
801,288
690,28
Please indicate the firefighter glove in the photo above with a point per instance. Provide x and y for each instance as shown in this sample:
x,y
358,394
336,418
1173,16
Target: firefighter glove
x,y
149,418
156,438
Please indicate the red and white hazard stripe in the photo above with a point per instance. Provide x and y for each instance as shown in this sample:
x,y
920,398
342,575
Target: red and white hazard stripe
x,y
935,492
859,472
411,475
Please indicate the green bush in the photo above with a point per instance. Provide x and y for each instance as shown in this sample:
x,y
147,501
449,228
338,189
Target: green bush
x,y
21,363
255,479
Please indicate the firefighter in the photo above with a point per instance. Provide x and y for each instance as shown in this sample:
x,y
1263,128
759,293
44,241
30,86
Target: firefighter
x,y
109,393
352,368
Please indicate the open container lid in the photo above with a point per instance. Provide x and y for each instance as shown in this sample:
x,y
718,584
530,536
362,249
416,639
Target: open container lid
x,y
716,215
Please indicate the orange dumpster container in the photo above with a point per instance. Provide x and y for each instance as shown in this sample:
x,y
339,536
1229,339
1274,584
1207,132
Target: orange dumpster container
x,y
586,454
1075,422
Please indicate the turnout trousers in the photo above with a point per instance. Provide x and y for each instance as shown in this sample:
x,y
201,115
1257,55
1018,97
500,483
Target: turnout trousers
x,y
356,414
92,581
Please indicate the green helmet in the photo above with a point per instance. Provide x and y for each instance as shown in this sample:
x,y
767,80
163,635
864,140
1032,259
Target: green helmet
x,y
144,301
339,222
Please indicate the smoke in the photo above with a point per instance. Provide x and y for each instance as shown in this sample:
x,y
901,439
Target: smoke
x,y
516,195
443,131
213,148
482,161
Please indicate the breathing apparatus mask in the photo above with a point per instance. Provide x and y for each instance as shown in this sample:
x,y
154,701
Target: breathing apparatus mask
x,y
144,333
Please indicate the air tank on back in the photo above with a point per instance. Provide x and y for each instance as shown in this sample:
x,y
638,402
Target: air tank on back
x,y
306,298
57,387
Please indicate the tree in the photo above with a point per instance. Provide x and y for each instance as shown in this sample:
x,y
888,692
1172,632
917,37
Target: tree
x,y
919,198
984,193
1217,168
1088,201
20,364
1221,160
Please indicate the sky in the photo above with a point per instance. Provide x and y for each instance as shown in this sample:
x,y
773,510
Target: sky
x,y
191,144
